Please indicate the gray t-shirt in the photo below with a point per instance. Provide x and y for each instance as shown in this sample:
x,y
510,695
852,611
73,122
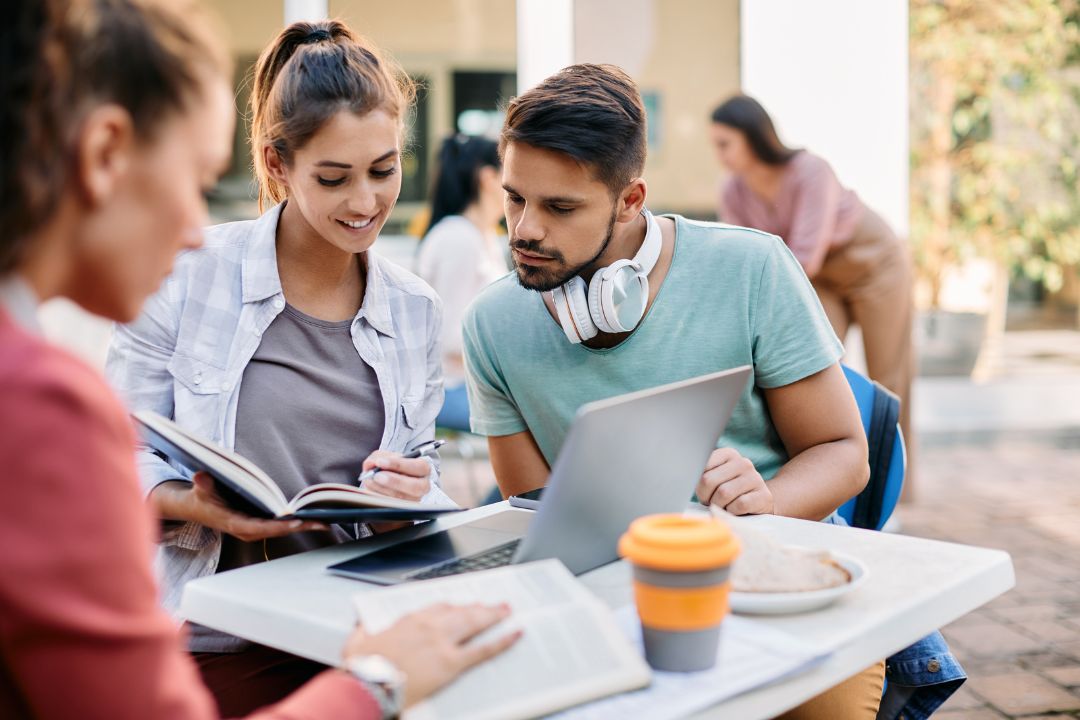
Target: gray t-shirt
x,y
309,412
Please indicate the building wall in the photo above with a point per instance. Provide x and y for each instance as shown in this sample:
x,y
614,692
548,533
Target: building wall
x,y
834,76
249,24
435,37
684,53
462,30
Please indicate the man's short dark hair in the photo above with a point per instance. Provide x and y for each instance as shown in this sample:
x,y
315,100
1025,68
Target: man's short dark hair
x,y
593,113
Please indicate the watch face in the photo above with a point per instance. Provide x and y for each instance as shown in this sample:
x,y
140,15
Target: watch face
x,y
376,669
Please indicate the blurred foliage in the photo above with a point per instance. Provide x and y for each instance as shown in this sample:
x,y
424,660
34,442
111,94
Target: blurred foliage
x,y
995,129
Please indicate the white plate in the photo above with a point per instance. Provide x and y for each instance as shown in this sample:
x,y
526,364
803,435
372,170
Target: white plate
x,y
787,603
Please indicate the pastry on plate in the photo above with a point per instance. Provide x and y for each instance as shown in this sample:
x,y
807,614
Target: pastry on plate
x,y
767,566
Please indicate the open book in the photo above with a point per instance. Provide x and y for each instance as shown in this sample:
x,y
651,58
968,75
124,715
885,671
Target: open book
x,y
244,487
572,650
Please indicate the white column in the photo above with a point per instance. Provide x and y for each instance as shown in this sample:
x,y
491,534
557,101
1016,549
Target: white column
x,y
545,39
834,76
306,10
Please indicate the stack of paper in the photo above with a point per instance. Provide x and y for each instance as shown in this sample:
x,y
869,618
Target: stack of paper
x,y
751,655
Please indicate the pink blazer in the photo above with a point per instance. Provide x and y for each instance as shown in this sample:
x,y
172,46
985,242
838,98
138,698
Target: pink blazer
x,y
81,631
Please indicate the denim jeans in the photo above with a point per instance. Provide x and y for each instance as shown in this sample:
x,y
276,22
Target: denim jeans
x,y
919,679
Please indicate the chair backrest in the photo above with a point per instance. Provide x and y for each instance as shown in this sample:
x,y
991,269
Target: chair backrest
x,y
880,411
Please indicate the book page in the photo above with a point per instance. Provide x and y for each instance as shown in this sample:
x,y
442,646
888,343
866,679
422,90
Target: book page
x,y
241,462
338,495
569,654
571,650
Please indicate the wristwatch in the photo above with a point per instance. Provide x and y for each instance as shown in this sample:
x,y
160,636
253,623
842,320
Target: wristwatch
x,y
382,679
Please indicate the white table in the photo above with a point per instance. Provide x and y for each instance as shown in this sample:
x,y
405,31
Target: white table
x,y
914,587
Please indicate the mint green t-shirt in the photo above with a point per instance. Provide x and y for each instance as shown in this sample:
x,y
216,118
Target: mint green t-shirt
x,y
732,296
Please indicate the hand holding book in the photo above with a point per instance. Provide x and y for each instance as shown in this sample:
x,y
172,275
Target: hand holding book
x,y
199,502
245,488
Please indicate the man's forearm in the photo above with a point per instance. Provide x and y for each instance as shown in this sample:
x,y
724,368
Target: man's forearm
x,y
518,463
820,479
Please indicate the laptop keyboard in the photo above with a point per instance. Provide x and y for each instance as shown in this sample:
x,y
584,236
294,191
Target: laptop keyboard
x,y
495,557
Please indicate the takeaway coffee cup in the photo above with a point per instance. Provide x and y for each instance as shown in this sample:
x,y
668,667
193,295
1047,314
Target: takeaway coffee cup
x,y
682,570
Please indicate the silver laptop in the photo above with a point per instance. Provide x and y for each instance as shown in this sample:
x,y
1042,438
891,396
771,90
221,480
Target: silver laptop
x,y
624,457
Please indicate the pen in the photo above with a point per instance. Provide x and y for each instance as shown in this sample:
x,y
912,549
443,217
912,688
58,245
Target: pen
x,y
422,450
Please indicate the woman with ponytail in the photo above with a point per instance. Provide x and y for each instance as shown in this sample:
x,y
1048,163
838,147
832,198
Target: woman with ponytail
x,y
115,118
287,338
460,254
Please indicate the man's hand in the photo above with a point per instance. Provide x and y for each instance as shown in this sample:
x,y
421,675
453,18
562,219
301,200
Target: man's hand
x,y
731,482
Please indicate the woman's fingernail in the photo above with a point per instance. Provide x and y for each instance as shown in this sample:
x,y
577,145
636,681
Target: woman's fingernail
x,y
295,524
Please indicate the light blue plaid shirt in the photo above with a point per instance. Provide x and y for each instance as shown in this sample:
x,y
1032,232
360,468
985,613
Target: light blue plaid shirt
x,y
185,358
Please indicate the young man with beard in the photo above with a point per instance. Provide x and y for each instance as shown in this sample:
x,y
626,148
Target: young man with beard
x,y
717,297
606,299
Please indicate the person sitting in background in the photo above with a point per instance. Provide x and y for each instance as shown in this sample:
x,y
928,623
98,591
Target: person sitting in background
x,y
460,254
116,118
861,271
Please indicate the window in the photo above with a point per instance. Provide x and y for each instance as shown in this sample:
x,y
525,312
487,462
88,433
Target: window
x,y
414,163
478,101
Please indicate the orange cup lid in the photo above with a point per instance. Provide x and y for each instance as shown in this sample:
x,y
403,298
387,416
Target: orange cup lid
x,y
679,543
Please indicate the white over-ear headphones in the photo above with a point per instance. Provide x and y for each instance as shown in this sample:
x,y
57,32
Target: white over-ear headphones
x,y
615,299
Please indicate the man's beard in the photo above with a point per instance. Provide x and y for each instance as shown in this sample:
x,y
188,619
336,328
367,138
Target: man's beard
x,y
545,280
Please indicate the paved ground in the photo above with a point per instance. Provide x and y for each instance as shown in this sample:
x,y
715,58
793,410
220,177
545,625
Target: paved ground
x,y
1000,467
1030,390
1022,651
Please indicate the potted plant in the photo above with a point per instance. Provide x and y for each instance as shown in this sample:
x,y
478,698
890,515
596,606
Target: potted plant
x,y
994,182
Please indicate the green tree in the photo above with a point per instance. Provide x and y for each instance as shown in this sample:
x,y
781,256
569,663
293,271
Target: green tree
x,y
994,135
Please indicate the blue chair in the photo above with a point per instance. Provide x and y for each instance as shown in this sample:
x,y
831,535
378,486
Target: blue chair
x,y
871,509
454,426
880,411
